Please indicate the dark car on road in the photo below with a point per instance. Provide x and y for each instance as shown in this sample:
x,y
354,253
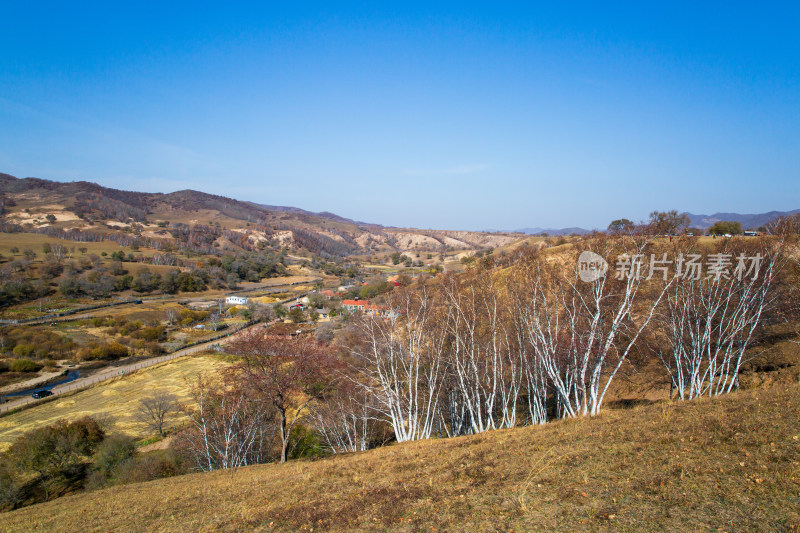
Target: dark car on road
x,y
39,394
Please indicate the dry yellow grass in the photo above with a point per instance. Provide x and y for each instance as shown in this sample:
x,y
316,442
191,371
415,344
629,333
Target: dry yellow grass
x,y
727,464
35,241
118,398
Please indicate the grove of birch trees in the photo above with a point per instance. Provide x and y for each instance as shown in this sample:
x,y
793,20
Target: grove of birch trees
x,y
529,342
503,344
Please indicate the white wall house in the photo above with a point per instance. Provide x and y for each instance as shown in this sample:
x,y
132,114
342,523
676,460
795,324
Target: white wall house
x,y
235,300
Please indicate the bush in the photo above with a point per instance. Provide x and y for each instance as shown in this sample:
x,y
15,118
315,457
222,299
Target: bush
x,y
130,327
112,350
110,454
24,365
154,465
188,316
56,450
135,468
305,443
24,350
154,333
10,495
154,348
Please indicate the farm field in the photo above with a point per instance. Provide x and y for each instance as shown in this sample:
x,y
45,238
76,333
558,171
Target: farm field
x,y
117,398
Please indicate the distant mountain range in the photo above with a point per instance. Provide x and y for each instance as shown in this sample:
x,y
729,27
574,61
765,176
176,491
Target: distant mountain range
x,y
554,231
748,221
751,221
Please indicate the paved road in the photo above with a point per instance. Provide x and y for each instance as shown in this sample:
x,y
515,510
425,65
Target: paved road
x,y
112,372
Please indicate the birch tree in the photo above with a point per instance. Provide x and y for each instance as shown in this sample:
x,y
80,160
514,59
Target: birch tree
x,y
485,368
581,332
227,429
346,418
710,318
399,362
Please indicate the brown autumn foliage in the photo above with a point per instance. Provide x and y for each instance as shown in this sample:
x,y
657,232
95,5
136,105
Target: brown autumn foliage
x,y
286,373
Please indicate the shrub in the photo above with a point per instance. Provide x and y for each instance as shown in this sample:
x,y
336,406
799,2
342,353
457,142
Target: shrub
x,y
24,365
110,454
154,348
24,350
305,443
188,316
116,350
58,449
112,350
154,333
10,495
153,465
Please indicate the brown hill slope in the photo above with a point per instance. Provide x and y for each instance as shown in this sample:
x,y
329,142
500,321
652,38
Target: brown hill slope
x,y
26,204
726,464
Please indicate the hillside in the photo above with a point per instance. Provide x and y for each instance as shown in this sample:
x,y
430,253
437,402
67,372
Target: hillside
x,y
205,221
725,464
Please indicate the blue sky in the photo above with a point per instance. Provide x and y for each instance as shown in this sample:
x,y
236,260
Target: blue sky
x,y
453,116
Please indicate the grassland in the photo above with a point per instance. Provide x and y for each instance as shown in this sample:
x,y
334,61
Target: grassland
x,y
726,464
35,242
117,399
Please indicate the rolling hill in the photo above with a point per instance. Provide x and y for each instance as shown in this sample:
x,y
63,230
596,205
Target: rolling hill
x,y
721,464
205,221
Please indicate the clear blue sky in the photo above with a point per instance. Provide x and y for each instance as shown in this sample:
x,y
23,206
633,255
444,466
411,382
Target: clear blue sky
x,y
459,116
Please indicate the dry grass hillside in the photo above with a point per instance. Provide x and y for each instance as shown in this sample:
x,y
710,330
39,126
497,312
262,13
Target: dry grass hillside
x,y
725,464
43,205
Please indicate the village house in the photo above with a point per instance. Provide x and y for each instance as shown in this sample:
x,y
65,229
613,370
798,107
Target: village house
x,y
235,300
365,307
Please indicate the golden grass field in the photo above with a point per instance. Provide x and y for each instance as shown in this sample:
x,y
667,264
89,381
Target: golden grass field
x,y
35,241
723,464
118,398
